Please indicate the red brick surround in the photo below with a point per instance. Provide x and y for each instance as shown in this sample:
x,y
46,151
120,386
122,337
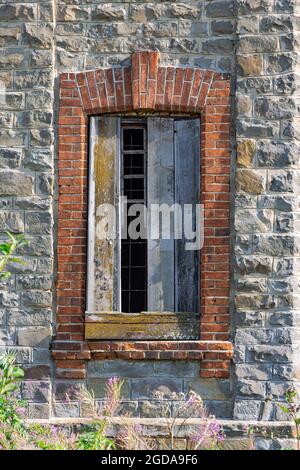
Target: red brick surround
x,y
145,87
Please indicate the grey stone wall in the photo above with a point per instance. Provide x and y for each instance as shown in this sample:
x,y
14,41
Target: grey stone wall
x,y
266,206
255,40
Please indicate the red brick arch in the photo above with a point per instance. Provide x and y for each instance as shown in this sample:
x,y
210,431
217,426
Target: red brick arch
x,y
143,87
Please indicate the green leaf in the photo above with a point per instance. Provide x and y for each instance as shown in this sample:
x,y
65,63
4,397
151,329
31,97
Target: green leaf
x,y
5,248
284,409
10,387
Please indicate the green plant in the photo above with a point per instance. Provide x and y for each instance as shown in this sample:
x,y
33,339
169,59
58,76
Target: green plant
x,y
292,408
11,422
7,250
96,438
10,375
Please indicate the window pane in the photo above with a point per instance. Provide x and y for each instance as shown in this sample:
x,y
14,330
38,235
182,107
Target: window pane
x,y
133,252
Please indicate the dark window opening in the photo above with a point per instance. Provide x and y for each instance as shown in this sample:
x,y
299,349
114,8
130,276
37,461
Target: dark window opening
x,y
134,188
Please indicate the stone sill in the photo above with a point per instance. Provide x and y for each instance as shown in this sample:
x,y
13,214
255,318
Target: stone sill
x,y
158,427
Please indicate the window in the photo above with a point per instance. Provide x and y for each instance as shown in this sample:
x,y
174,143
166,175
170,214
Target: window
x,y
134,187
151,164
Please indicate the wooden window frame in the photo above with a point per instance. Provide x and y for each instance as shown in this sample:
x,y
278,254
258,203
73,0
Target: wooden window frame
x,y
141,89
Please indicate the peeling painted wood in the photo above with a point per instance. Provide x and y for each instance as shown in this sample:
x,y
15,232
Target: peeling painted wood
x,y
105,156
187,191
143,326
161,275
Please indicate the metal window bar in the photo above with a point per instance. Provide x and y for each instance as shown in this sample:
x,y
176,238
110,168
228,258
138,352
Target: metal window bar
x,y
134,187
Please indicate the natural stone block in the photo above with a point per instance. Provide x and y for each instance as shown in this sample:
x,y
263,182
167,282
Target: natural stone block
x,y
15,12
67,391
10,158
28,281
38,411
182,10
31,203
35,298
256,128
257,301
254,264
39,160
144,13
243,105
66,410
36,391
253,371
284,318
160,29
279,202
41,137
145,388
285,223
251,389
23,355
285,84
38,223
250,220
243,244
285,6
250,181
220,27
12,101
251,285
72,13
33,79
247,24
283,181
28,317
120,368
275,245
13,58
37,246
220,8
34,119
8,299
38,35
39,371
255,85
34,336
7,337
14,183
276,108
193,29
209,389
269,353
283,372
276,24
9,35
109,12
6,119
257,43
249,65
277,154
246,7
217,46
11,222
11,138
45,184
28,265
249,318
41,58
280,63
246,410
176,369
99,388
